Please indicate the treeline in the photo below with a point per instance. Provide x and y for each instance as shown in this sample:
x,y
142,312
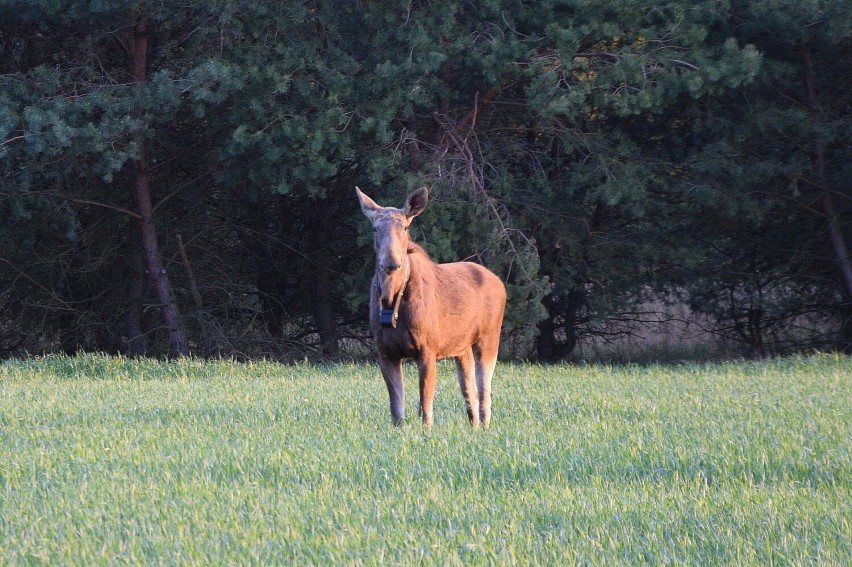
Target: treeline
x,y
178,177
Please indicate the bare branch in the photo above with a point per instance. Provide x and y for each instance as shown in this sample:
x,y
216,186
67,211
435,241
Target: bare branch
x,y
16,138
105,206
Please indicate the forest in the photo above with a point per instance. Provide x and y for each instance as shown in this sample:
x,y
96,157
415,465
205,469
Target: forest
x,y
177,178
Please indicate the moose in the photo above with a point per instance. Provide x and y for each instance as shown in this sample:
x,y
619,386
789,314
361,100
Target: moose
x,y
424,311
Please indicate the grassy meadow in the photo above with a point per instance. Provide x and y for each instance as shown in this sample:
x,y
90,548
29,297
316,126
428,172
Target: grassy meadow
x,y
113,461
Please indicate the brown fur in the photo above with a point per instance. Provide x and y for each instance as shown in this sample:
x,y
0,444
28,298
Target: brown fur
x,y
447,310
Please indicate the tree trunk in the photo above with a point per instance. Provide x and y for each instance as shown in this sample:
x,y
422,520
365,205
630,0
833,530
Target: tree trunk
x,y
208,345
137,343
156,271
321,260
266,257
840,248
545,342
550,347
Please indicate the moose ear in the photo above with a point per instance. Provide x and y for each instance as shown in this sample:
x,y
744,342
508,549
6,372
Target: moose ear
x,y
368,206
416,202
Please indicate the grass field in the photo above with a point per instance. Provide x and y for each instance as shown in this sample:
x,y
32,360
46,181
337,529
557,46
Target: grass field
x,y
113,461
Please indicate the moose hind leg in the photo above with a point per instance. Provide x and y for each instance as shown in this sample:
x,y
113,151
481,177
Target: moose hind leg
x,y
467,382
486,361
392,373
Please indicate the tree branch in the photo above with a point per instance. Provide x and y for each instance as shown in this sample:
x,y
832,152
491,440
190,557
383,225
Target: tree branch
x,y
106,206
30,279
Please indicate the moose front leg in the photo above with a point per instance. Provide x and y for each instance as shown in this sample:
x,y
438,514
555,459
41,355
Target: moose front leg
x,y
427,365
392,373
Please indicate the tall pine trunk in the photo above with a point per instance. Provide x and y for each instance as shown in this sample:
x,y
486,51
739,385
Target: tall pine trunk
x,y
142,191
137,343
839,246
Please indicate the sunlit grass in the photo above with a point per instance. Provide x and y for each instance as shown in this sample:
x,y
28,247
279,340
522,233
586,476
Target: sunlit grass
x,y
106,460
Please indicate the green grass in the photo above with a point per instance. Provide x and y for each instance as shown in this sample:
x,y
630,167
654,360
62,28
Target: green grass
x,y
112,461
